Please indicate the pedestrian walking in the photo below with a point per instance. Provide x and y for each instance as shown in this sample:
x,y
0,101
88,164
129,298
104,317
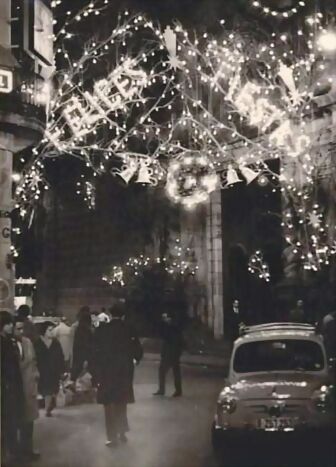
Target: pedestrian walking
x,y
63,334
50,364
236,319
328,331
12,398
82,344
29,329
30,376
296,314
171,350
117,348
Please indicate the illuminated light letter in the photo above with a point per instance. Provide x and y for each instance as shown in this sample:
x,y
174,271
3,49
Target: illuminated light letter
x,y
54,136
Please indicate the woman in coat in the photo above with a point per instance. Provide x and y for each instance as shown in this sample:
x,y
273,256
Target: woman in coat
x,y
117,348
50,364
30,376
82,344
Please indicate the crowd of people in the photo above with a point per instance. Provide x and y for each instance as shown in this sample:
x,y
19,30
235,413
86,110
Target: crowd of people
x,y
36,358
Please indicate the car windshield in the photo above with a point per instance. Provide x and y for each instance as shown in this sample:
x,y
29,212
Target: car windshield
x,y
278,355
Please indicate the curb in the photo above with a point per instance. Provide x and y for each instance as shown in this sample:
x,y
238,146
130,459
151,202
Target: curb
x,y
194,360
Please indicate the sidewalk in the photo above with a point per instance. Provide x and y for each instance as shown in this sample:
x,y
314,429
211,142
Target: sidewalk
x,y
209,361
211,356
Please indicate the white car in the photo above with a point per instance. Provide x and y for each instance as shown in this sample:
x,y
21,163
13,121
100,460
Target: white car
x,y
279,387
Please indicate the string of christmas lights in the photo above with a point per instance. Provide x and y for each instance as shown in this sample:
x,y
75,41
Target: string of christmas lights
x,y
234,101
175,264
258,266
286,13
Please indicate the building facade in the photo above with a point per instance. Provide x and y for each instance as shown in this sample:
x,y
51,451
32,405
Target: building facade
x,y
243,219
26,63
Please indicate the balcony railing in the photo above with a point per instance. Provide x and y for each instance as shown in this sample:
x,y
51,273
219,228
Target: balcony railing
x,y
26,105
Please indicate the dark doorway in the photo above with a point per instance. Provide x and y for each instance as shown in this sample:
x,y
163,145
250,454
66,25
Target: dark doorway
x,y
251,221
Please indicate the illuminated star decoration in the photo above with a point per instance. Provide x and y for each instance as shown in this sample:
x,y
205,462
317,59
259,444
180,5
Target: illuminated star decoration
x,y
314,219
170,43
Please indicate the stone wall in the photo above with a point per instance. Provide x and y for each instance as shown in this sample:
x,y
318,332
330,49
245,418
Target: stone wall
x,y
80,246
214,282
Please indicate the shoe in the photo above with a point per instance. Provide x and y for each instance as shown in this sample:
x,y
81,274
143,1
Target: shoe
x,y
177,394
123,438
34,455
111,443
158,393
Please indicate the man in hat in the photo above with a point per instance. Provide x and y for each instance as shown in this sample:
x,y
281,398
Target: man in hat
x,y
171,350
116,349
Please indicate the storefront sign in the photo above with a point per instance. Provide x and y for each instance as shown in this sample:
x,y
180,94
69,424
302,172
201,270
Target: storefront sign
x,y
38,31
6,232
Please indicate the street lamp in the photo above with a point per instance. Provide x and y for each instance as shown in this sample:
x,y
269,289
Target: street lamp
x,y
327,41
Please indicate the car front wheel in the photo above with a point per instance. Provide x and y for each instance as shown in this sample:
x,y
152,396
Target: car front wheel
x,y
225,449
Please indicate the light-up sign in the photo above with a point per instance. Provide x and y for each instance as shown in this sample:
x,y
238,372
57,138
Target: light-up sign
x,y
6,81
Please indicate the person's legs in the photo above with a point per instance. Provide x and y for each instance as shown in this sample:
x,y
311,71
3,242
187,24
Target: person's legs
x,y
110,423
177,377
121,421
26,437
26,432
163,368
50,404
9,440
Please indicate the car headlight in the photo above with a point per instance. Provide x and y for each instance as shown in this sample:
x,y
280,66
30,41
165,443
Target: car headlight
x,y
227,404
323,398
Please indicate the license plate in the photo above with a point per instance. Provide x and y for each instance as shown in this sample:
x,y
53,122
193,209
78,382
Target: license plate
x,y
281,423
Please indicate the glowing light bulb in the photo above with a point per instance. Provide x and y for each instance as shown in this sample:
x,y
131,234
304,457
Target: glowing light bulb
x,y
327,41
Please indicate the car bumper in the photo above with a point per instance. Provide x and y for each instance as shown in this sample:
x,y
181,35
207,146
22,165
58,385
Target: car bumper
x,y
310,436
312,447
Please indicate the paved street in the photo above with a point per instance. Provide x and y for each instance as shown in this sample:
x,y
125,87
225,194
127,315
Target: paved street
x,y
165,432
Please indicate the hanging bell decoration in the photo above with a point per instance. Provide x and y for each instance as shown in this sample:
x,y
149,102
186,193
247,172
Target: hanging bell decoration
x,y
128,172
145,174
232,176
248,173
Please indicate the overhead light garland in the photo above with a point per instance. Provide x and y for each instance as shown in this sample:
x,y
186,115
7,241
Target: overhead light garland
x,y
236,101
286,13
177,263
89,189
258,266
312,240
29,189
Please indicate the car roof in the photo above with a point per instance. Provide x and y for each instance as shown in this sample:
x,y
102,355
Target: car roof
x,y
278,331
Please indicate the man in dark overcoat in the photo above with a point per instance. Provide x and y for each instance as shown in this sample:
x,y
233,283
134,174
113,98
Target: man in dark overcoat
x,y
117,348
12,397
171,350
30,376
